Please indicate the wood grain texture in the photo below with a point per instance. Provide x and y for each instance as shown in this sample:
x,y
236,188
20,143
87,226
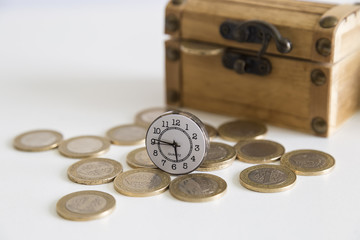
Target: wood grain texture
x,y
285,92
173,75
344,91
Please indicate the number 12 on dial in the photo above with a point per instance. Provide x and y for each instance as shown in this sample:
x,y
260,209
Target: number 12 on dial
x,y
177,142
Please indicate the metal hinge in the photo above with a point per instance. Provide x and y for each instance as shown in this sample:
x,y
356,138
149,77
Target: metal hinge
x,y
242,63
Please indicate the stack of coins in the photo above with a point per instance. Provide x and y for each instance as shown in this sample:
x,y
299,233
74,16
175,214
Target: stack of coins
x,y
219,156
146,180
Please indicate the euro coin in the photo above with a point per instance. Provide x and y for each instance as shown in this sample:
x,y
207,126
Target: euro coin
x,y
139,158
219,156
242,130
38,140
267,178
92,171
212,132
85,205
129,134
84,146
146,117
198,187
308,162
259,151
142,182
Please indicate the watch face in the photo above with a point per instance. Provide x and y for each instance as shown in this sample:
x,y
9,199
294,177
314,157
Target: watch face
x,y
177,142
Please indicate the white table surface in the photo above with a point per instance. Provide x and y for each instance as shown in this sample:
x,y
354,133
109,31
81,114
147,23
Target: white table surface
x,y
82,69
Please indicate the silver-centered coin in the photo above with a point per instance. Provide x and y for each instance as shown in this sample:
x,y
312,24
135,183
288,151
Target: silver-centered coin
x,y
38,140
84,146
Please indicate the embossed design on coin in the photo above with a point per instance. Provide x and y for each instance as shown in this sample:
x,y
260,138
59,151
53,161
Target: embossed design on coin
x,y
142,182
84,146
93,171
219,156
38,140
308,162
139,158
242,130
85,205
129,134
216,151
259,151
198,187
146,117
267,178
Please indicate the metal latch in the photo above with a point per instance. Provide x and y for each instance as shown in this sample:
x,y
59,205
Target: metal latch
x,y
255,31
242,63
252,32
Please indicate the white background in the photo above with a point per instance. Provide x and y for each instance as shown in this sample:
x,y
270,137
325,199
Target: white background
x,y
82,67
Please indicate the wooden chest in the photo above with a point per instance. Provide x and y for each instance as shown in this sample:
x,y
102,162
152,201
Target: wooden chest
x,y
289,63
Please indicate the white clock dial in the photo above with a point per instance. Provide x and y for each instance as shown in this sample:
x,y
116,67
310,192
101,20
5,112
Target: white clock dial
x,y
177,142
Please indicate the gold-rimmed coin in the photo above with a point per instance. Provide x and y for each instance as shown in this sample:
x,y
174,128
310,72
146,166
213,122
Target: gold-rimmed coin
x,y
201,49
219,156
259,151
139,158
38,140
93,171
267,178
147,116
84,146
197,187
242,130
85,205
212,132
308,162
129,134
142,182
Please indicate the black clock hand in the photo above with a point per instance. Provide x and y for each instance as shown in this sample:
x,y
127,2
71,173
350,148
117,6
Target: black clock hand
x,y
161,141
175,148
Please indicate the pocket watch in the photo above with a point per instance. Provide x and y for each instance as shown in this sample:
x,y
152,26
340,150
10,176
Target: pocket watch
x,y
177,142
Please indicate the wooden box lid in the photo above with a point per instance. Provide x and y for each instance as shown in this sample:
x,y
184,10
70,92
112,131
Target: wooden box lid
x,y
318,32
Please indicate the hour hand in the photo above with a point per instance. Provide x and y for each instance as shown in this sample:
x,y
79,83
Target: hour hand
x,y
154,140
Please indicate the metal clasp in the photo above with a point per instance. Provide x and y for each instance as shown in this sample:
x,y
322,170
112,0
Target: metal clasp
x,y
255,31
242,63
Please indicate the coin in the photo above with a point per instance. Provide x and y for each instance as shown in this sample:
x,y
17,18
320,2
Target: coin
x,y
219,156
142,182
146,117
85,205
92,171
129,134
308,162
84,146
212,132
242,130
259,151
198,187
200,49
139,158
267,178
38,140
